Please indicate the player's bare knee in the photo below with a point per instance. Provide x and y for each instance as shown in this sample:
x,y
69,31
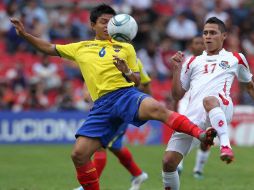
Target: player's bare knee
x,y
210,102
158,111
169,163
78,157
204,147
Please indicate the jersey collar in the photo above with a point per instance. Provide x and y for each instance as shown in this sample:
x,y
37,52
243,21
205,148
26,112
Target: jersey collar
x,y
221,52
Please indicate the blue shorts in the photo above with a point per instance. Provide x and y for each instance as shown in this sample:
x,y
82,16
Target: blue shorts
x,y
117,141
110,112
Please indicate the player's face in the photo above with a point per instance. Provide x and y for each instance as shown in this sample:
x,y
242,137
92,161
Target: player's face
x,y
197,46
100,27
213,38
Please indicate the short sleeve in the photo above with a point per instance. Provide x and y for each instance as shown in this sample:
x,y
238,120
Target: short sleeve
x,y
243,72
67,51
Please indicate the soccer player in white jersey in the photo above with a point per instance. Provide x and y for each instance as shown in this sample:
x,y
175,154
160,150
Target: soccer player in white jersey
x,y
196,47
208,78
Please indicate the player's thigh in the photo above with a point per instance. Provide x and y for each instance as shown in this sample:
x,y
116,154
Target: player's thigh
x,y
150,109
180,142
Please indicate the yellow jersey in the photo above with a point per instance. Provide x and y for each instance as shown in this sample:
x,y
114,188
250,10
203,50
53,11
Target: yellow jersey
x,y
95,60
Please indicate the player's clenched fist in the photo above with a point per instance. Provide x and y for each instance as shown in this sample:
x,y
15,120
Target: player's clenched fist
x,y
20,29
177,60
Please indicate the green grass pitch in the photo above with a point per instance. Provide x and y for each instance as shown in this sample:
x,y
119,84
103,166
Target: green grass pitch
x,y
49,167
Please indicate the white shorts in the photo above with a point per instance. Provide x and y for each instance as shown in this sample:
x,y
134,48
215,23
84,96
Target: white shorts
x,y
183,143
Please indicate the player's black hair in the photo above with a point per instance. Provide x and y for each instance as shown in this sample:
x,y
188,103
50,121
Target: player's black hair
x,y
215,20
97,11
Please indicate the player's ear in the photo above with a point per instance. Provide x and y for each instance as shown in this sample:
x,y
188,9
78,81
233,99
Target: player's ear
x,y
224,35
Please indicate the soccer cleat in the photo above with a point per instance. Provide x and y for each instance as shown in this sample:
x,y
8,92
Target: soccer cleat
x,y
138,180
207,137
198,175
79,188
226,154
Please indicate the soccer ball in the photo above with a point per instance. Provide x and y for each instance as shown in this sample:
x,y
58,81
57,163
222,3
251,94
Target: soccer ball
x,y
122,27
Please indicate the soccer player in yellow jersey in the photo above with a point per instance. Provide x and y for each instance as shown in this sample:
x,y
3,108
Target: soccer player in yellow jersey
x,y
110,71
121,152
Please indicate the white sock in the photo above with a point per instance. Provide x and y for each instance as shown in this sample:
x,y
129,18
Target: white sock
x,y
171,179
201,159
219,122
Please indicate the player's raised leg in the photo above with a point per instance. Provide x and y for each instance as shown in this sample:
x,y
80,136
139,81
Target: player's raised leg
x,y
219,122
150,109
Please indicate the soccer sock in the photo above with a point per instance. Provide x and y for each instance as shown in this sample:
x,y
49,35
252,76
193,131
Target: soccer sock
x,y
100,160
219,122
181,123
171,180
201,159
128,162
88,177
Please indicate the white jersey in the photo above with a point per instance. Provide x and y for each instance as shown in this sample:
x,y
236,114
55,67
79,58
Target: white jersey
x,y
206,75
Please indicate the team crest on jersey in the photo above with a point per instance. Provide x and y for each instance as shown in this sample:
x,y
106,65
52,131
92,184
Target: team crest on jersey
x,y
117,48
224,65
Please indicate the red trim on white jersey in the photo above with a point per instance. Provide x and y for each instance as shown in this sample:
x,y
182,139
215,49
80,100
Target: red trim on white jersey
x,y
240,60
224,100
191,60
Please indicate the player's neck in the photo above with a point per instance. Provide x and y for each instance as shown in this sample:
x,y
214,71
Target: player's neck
x,y
214,52
101,38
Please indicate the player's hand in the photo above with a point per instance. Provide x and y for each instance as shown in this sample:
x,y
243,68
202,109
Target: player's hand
x,y
120,64
177,60
20,29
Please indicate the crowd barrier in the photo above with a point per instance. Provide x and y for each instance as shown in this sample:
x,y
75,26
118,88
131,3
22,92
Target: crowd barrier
x,y
59,127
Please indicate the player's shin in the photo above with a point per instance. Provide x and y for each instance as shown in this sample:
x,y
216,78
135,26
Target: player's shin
x,y
181,123
218,121
171,180
88,177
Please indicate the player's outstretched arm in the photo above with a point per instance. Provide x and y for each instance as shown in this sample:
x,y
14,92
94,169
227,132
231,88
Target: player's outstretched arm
x,y
177,90
38,43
